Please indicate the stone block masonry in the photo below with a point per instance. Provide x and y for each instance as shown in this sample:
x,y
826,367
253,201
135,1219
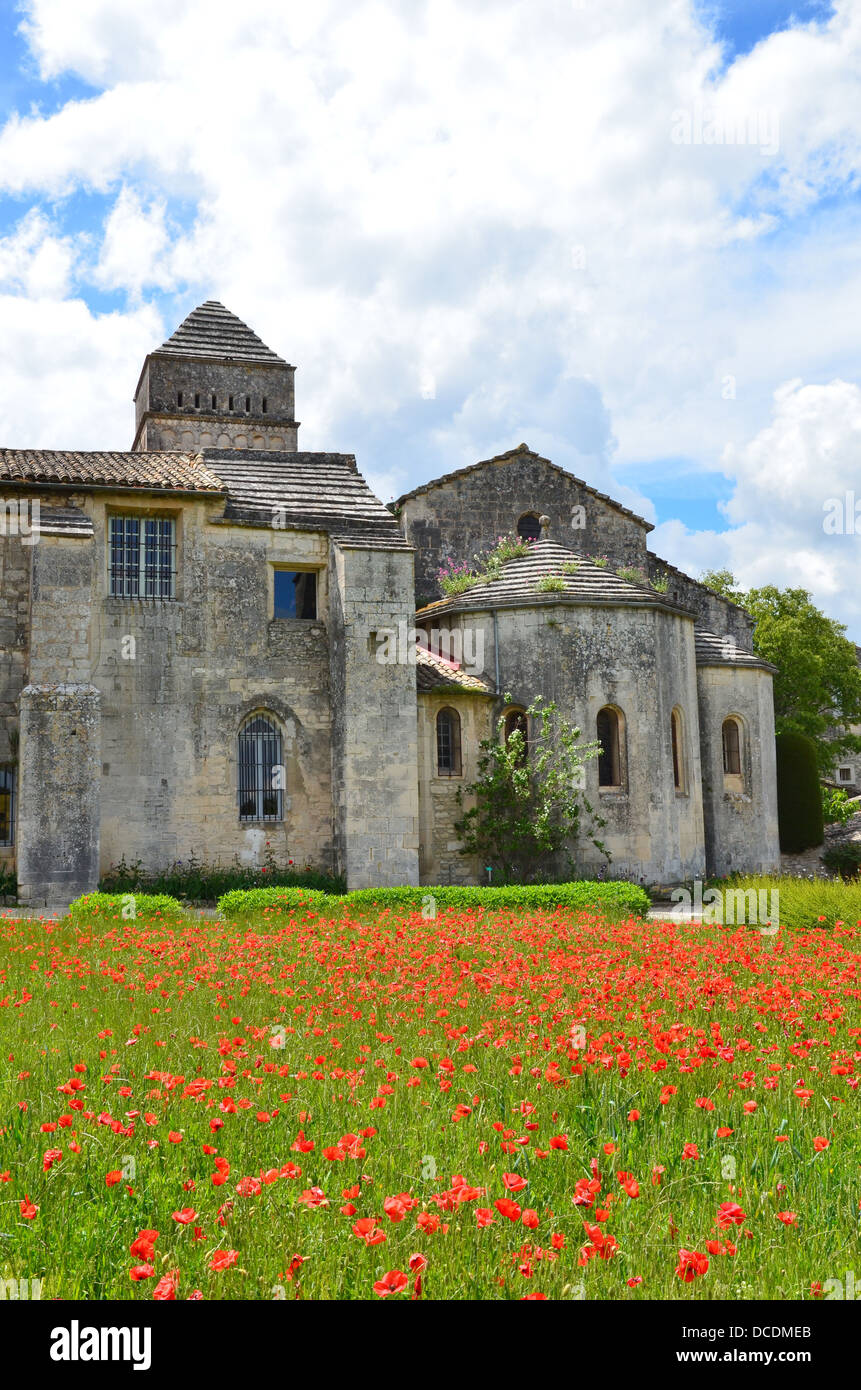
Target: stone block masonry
x,y
59,799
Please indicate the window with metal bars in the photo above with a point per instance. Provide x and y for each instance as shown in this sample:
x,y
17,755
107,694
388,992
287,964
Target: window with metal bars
x,y
142,557
261,770
448,757
7,805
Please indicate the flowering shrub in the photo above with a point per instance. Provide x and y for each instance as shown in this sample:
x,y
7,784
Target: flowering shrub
x,y
471,1107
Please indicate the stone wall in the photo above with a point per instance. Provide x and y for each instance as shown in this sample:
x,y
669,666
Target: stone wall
x,y
740,814
440,860
178,678
58,809
641,661
464,516
375,756
713,613
161,423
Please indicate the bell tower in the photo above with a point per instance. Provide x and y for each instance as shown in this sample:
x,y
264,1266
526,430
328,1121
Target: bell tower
x,y
215,385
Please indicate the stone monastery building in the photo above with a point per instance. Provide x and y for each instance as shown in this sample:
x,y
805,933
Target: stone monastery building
x,y
208,647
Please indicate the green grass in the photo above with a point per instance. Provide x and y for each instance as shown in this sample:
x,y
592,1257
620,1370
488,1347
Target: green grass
x,y
803,903
236,1039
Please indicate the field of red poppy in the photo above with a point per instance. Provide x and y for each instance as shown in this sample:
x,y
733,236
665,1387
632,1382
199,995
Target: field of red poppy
x,y
487,1108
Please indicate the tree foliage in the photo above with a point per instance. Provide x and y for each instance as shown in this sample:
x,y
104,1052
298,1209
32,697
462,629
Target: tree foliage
x,y
817,689
529,806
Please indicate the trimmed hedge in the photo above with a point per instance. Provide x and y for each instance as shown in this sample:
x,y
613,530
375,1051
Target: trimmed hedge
x,y
799,795
613,899
148,907
242,901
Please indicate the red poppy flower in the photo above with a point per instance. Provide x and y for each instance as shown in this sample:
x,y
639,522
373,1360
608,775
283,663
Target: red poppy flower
x,y
393,1282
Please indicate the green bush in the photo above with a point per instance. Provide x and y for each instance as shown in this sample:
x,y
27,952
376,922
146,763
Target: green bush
x,y
844,860
137,907
241,902
799,797
837,809
612,899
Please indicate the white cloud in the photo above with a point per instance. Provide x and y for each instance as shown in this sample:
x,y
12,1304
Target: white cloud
x,y
136,240
34,261
792,512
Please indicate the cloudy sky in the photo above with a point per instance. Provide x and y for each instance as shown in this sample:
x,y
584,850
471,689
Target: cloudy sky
x,y
624,231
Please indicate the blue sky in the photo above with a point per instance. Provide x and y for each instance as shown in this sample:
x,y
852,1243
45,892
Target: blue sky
x,y
469,223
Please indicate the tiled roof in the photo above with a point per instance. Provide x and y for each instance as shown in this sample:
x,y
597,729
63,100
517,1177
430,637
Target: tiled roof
x,y
511,454
104,468
713,650
434,672
323,492
212,331
518,585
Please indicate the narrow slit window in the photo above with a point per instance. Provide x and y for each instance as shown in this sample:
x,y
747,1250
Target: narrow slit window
x,y
295,593
264,405
678,751
731,748
179,398
448,746
197,400
215,402
247,405
229,402
142,557
609,756
261,771
7,805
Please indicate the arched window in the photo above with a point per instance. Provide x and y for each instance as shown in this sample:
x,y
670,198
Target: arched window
x,y
448,756
261,770
515,719
678,746
529,527
608,732
731,740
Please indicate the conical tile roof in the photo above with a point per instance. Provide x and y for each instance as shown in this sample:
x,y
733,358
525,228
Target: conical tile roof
x,y
212,331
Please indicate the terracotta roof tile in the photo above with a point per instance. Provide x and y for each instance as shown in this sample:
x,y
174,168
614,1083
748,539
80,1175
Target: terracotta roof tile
x,y
105,468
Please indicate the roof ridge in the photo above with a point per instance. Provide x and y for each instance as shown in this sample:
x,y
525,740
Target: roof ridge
x,y
512,453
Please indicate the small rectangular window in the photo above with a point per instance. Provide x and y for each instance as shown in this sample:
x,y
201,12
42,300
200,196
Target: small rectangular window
x,y
142,557
215,402
845,774
197,400
179,398
264,405
7,805
247,405
229,402
295,594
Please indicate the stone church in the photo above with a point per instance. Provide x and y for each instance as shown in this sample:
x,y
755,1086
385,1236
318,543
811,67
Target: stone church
x,y
216,644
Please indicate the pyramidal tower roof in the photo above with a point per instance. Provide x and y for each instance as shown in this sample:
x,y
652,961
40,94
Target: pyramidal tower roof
x,y
212,331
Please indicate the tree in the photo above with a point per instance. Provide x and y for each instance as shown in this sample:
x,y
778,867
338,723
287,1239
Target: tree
x,y
529,802
817,689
